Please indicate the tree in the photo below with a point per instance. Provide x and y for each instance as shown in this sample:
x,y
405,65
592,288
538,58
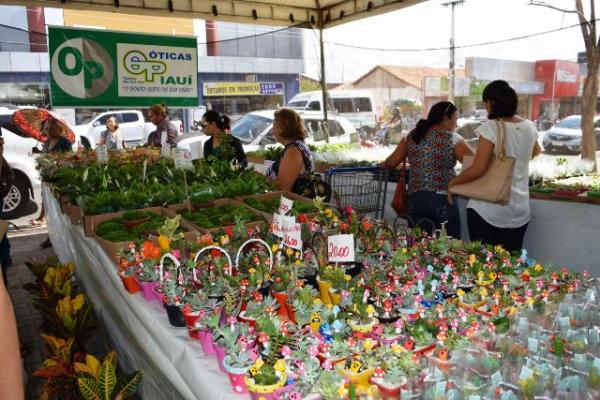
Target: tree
x,y
590,85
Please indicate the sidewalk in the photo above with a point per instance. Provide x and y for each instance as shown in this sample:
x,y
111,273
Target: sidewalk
x,y
25,245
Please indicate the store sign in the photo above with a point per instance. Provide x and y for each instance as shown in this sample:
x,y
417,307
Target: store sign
x,y
242,88
97,68
565,76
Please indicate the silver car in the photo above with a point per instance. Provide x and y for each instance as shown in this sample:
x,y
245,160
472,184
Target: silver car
x,y
565,136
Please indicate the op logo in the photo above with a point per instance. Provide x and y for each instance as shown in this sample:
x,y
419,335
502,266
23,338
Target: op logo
x,y
82,68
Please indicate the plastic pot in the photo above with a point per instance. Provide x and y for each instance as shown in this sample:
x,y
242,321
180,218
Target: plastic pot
x,y
220,353
190,320
147,289
260,392
206,342
236,376
324,287
281,298
175,315
129,283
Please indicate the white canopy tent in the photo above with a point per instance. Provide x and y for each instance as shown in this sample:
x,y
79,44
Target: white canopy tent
x,y
318,13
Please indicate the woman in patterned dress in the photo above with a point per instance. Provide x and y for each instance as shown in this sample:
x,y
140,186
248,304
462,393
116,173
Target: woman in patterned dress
x,y
112,137
431,150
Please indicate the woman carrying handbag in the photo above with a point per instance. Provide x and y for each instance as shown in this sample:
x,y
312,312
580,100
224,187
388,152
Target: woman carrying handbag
x,y
492,218
431,150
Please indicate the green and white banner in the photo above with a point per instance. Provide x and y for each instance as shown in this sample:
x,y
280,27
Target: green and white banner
x,y
97,68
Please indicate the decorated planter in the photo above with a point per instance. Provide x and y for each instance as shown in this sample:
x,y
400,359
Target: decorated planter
x,y
220,353
335,297
387,390
236,376
362,328
281,298
190,320
260,392
360,379
175,315
206,342
130,283
324,287
147,289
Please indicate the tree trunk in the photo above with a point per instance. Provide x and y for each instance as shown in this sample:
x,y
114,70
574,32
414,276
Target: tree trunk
x,y
589,98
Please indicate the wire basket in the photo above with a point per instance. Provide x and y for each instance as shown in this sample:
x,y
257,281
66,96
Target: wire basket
x,y
364,188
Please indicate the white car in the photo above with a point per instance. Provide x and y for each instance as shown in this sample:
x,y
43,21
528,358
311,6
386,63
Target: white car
x,y
565,136
254,130
17,152
134,128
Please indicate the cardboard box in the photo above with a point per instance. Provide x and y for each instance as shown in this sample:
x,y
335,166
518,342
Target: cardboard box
x,y
112,248
75,212
65,205
272,195
219,202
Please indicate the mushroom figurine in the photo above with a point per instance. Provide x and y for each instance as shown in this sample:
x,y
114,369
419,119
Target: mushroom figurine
x,y
399,326
379,373
388,306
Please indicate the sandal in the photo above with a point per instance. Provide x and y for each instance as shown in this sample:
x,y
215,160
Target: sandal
x,y
37,222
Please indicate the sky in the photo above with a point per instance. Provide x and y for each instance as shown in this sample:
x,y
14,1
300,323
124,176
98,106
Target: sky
x,y
427,25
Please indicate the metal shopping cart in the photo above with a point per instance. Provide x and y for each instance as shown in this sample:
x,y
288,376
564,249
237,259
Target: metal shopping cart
x,y
364,188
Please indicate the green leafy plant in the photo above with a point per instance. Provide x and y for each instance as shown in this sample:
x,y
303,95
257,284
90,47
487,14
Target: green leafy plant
x,y
106,382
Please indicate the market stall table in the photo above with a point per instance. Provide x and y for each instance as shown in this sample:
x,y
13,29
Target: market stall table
x,y
173,365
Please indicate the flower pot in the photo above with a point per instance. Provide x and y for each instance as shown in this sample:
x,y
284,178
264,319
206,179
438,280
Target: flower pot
x,y
363,328
260,392
290,312
324,287
361,379
335,297
147,289
129,283
236,376
175,315
220,353
206,342
190,320
135,222
281,298
388,391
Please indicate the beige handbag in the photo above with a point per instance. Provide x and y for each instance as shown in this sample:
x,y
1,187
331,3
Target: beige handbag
x,y
494,185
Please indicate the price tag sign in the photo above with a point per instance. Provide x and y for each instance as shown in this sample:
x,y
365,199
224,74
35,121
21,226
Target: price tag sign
x,y
532,345
196,150
340,248
144,170
292,236
280,222
440,388
182,159
285,206
102,154
564,322
165,150
526,372
496,378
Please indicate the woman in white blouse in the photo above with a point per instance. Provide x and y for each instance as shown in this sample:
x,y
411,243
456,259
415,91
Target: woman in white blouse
x,y
494,223
112,137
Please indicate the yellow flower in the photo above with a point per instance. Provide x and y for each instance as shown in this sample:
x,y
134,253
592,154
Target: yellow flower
x,y
289,252
492,276
317,302
460,293
471,260
347,277
538,268
404,250
530,301
251,271
396,348
298,262
368,344
279,366
513,310
274,248
328,212
336,219
267,276
224,239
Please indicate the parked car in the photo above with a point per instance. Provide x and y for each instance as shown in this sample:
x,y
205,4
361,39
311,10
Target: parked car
x,y
255,131
357,106
132,124
565,136
17,152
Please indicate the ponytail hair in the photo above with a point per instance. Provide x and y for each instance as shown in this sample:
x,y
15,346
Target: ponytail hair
x,y
222,121
436,116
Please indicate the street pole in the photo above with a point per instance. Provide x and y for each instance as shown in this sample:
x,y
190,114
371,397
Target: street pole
x,y
452,5
323,81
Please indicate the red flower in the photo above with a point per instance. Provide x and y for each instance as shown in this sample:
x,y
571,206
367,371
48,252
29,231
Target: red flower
x,y
228,231
214,253
302,218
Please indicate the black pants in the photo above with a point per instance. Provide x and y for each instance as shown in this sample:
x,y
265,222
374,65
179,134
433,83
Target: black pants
x,y
480,230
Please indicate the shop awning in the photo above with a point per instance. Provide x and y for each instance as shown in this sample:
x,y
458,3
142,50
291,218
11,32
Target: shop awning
x,y
325,13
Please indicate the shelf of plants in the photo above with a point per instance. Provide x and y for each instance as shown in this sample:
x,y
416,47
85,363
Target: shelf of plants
x,y
412,316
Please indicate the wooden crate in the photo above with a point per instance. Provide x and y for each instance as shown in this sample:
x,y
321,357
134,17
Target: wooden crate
x,y
112,248
271,195
219,202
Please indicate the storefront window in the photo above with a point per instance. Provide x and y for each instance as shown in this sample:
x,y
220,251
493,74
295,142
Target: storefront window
x,y
236,106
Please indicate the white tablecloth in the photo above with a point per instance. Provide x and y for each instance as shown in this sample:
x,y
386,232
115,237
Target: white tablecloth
x,y
173,364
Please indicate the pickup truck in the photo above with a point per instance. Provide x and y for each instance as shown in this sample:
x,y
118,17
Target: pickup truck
x,y
132,124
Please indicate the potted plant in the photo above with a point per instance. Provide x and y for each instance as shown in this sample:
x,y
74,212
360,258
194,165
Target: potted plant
x,y
362,319
172,300
97,380
329,385
262,380
131,219
356,370
282,276
128,277
236,363
390,380
147,277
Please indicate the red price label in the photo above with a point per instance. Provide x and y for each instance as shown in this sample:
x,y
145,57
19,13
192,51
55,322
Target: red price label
x,y
335,251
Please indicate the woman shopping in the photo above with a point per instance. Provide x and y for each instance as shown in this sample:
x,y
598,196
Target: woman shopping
x,y
432,149
112,137
165,131
492,223
221,145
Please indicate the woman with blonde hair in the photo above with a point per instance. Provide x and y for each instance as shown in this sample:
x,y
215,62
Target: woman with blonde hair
x,y
165,131
112,137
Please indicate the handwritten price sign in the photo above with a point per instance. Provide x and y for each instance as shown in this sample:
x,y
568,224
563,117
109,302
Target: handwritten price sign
x,y
183,159
340,248
292,236
102,154
285,206
281,224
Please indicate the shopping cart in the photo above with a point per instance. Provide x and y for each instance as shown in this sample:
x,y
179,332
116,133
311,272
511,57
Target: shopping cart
x,y
364,188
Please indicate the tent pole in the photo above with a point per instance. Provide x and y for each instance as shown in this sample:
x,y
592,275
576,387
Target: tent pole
x,y
323,82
